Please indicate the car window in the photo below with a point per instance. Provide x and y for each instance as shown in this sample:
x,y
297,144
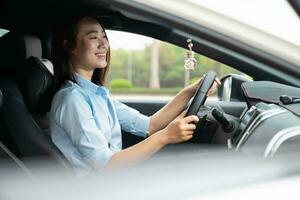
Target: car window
x,y
3,32
142,67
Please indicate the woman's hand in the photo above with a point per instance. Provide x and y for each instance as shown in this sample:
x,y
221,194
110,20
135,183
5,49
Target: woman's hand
x,y
180,129
191,89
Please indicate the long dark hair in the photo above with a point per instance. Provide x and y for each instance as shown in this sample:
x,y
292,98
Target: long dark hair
x,y
63,70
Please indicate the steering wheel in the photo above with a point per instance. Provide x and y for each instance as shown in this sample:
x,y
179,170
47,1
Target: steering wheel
x,y
201,94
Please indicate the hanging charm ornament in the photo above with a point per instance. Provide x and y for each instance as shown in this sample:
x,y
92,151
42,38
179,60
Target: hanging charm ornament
x,y
190,62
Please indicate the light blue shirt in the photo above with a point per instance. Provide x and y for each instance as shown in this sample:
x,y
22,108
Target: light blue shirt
x,y
86,124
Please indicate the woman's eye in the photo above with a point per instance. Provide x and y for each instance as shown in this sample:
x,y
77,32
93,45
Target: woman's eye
x,y
93,38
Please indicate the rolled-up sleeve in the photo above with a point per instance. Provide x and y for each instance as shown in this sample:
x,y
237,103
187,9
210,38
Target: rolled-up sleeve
x,y
131,120
77,120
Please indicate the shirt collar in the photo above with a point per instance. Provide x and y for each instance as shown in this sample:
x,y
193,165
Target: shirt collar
x,y
90,86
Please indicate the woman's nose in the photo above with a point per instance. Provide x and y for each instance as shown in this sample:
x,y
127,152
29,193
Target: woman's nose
x,y
103,43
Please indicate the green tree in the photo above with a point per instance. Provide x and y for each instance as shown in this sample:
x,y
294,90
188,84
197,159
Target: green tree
x,y
118,63
171,70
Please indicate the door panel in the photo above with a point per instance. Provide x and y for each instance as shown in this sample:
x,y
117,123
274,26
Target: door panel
x,y
147,108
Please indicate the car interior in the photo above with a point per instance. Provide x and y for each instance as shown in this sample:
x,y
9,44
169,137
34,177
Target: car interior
x,y
251,113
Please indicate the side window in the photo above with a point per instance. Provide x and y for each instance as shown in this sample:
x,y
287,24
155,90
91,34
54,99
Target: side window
x,y
142,67
3,32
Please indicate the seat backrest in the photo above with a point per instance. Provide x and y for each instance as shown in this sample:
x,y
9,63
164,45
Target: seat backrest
x,y
26,84
37,89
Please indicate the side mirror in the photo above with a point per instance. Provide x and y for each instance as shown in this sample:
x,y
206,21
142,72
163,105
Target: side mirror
x,y
230,89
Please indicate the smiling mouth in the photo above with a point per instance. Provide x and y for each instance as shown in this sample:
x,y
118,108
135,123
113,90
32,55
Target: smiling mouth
x,y
101,55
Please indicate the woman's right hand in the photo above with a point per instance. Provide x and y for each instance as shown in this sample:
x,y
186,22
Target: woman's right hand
x,y
180,129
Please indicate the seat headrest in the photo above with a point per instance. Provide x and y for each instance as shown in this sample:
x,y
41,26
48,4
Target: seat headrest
x,y
37,84
15,48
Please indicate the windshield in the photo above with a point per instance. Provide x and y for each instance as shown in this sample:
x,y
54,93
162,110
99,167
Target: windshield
x,y
271,26
276,17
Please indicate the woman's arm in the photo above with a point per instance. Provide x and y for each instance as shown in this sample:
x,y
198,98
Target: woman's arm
x,y
163,130
179,130
165,115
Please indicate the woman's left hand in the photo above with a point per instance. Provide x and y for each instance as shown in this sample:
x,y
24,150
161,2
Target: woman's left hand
x,y
191,89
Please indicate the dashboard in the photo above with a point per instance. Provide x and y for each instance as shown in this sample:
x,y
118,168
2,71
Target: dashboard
x,y
268,124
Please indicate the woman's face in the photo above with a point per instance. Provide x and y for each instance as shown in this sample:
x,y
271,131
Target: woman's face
x,y
91,47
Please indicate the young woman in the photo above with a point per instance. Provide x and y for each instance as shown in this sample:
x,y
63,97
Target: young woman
x,y
86,122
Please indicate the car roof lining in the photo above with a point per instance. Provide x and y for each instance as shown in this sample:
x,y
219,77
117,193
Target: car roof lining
x,y
24,18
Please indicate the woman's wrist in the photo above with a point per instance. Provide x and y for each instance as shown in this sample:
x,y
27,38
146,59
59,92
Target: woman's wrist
x,y
161,137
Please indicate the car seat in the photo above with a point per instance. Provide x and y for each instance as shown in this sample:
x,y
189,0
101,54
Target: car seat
x,y
26,84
